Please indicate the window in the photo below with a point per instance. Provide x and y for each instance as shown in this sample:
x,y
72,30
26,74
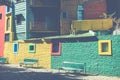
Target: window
x,y
64,15
31,48
80,11
15,47
18,19
0,16
56,46
104,47
8,24
7,36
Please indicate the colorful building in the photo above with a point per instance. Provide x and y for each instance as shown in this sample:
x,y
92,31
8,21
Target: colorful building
x,y
68,13
35,18
46,25
9,33
99,53
45,17
2,28
18,50
6,28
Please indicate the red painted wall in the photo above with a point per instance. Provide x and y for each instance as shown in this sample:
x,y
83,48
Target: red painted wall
x,y
2,28
93,9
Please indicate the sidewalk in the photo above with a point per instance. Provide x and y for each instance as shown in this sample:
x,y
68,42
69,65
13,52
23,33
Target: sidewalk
x,y
14,72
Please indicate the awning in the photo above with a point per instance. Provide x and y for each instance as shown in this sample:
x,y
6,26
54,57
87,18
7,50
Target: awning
x,y
70,36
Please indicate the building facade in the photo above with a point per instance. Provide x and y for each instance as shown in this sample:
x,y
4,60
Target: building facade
x,y
20,18
2,27
43,18
18,50
9,33
100,54
36,18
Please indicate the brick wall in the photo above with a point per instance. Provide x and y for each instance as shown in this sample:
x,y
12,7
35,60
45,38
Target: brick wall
x,y
87,52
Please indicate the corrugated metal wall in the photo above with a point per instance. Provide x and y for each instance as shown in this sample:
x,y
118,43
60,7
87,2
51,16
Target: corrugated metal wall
x,y
20,9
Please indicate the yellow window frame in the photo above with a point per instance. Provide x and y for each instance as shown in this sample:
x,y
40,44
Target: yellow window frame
x,y
100,47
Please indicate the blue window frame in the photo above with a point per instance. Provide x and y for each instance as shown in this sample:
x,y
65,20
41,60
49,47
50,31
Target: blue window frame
x,y
15,47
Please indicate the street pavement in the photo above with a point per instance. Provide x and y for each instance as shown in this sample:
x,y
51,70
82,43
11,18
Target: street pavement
x,y
11,72
15,72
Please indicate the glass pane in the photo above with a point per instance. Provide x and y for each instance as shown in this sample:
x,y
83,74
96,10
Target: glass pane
x,y
7,37
55,47
15,47
104,47
31,48
8,24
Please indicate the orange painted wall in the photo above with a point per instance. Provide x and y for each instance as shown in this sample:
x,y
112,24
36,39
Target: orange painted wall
x,y
2,28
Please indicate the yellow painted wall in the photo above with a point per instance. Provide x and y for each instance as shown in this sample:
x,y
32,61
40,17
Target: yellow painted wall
x,y
42,53
10,30
96,24
11,26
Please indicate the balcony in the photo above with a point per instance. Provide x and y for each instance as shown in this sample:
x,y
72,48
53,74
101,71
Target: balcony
x,y
41,27
95,24
43,3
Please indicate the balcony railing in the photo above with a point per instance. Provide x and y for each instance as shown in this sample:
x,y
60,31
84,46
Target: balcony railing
x,y
42,3
40,27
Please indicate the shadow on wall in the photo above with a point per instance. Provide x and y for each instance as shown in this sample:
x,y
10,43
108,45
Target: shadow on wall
x,y
82,39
